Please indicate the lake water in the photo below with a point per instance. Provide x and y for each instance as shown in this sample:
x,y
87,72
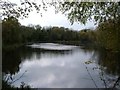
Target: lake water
x,y
50,65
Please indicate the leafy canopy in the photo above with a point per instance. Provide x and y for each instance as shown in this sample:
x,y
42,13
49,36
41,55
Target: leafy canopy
x,y
75,11
83,11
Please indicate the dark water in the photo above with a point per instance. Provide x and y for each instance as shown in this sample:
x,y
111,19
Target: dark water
x,y
60,66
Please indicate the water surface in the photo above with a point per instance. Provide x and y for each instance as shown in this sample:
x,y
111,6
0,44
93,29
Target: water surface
x,y
50,65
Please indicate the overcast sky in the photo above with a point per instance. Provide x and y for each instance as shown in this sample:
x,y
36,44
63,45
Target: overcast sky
x,y
49,18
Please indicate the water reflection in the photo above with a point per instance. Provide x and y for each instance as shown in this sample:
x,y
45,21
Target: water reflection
x,y
60,69
111,61
10,61
12,58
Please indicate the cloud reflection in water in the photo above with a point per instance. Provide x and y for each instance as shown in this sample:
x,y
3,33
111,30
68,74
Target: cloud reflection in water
x,y
55,70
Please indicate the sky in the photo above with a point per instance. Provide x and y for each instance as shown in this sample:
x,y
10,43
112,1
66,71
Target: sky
x,y
49,18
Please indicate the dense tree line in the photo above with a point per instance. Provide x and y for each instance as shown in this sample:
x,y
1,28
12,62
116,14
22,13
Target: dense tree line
x,y
14,33
106,34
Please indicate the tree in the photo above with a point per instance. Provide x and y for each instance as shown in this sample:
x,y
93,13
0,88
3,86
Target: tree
x,y
12,9
101,12
11,31
108,35
75,11
83,11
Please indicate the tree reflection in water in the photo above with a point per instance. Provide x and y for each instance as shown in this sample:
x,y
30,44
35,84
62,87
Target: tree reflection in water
x,y
11,60
109,64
